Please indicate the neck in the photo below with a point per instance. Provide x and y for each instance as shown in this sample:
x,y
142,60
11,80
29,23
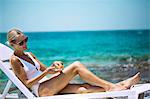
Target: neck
x,y
19,53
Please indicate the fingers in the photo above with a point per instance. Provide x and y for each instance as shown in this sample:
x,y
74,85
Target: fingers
x,y
57,66
58,63
61,63
53,69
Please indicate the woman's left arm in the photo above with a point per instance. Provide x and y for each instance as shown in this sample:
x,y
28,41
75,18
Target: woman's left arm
x,y
57,64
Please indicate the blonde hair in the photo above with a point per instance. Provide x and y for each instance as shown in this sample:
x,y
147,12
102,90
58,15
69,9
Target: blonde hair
x,y
12,34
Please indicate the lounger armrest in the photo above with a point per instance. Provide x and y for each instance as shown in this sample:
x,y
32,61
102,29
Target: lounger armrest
x,y
141,88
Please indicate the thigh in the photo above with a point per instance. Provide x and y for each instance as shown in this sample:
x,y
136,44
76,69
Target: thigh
x,y
58,82
71,89
80,88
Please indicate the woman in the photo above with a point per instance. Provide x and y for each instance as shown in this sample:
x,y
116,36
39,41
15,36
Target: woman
x,y
33,73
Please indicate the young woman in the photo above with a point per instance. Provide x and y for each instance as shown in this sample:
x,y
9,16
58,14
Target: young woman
x,y
33,73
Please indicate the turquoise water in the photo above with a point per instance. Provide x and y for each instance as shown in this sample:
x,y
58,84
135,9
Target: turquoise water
x,y
93,48
100,47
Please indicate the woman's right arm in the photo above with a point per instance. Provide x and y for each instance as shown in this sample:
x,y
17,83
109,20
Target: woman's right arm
x,y
21,74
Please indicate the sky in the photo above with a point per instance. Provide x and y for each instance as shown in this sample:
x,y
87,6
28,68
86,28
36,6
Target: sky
x,y
74,15
149,14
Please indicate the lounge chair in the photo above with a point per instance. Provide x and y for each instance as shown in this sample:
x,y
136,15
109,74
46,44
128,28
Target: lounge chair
x,y
5,53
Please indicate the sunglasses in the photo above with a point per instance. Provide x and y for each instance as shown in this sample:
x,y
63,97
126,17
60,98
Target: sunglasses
x,y
22,42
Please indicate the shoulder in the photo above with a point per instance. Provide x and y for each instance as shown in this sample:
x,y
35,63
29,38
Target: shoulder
x,y
32,55
15,61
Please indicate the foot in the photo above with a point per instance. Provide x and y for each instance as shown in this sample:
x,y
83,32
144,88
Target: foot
x,y
131,81
126,84
117,88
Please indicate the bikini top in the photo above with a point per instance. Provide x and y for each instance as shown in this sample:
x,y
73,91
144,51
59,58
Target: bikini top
x,y
30,69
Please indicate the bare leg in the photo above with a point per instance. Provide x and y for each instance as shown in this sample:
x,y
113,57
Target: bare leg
x,y
89,77
131,81
58,83
87,88
81,88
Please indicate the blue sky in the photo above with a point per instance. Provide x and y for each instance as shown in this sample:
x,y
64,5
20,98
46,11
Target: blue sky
x,y
74,15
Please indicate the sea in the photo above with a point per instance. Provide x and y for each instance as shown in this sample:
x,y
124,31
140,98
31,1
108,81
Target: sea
x,y
111,55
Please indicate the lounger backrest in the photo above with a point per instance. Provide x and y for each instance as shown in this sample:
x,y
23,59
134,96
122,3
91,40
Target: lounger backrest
x,y
5,54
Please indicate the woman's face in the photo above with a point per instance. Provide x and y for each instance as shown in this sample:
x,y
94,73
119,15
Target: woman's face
x,y
20,42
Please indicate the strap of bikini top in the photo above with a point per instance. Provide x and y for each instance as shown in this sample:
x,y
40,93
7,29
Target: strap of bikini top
x,y
35,62
31,57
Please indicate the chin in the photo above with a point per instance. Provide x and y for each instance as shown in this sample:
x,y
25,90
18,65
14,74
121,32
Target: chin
x,y
25,48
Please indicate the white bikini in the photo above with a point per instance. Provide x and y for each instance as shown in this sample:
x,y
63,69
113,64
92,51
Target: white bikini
x,y
32,72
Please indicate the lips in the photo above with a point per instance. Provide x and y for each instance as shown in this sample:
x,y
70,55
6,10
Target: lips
x,y
25,47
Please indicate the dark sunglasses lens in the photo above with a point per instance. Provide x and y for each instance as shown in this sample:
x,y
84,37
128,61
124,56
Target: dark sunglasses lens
x,y
21,43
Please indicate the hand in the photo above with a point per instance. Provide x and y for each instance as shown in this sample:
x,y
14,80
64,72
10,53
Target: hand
x,y
58,65
52,70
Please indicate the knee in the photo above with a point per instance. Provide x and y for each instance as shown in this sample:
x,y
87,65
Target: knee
x,y
84,88
81,90
86,85
77,64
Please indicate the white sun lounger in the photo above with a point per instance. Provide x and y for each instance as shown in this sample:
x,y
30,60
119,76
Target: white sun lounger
x,y
5,54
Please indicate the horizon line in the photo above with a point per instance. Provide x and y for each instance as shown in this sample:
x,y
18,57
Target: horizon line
x,y
89,30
